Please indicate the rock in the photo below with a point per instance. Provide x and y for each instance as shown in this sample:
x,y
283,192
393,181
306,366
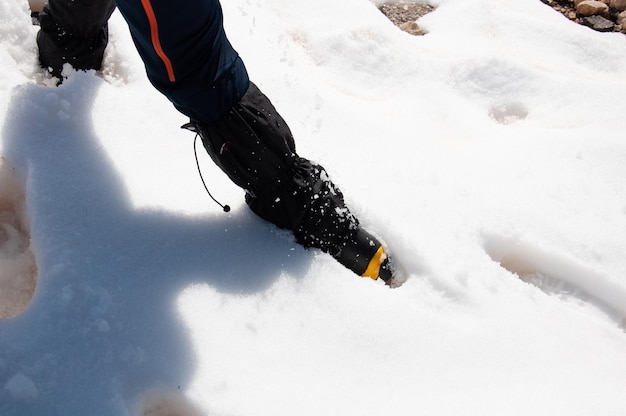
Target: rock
x,y
412,28
598,23
401,12
592,8
581,11
619,5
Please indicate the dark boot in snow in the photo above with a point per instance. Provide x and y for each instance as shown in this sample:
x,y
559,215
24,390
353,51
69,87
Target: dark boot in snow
x,y
367,257
253,145
73,32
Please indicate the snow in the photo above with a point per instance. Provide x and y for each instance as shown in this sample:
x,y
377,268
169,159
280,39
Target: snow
x,y
488,154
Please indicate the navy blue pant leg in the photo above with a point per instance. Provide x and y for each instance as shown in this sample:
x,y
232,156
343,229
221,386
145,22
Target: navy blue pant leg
x,y
187,55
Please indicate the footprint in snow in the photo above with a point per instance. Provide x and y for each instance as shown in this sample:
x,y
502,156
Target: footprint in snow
x,y
18,266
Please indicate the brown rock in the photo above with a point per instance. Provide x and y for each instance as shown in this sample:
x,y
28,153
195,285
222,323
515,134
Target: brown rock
x,y
592,8
619,5
412,28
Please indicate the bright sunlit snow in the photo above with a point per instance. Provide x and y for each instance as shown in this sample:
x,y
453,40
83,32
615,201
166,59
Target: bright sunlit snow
x,y
490,156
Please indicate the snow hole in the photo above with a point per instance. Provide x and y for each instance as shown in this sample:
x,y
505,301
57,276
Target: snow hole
x,y
507,113
18,265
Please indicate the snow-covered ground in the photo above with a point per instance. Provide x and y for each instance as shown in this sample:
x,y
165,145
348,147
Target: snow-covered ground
x,y
490,149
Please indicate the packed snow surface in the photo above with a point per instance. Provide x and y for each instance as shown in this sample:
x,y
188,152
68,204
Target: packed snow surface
x,y
490,156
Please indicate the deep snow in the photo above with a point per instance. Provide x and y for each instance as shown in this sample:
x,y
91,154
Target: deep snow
x,y
490,149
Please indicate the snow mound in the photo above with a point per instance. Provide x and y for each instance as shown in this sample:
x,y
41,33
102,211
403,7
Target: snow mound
x,y
557,273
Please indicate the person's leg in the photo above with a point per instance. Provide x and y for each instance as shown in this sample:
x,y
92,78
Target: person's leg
x,y
187,55
189,59
74,32
254,146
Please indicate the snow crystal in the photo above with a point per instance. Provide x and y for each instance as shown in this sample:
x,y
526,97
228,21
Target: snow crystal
x,y
22,388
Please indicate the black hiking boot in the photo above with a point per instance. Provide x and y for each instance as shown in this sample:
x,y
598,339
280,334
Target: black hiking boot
x,y
366,256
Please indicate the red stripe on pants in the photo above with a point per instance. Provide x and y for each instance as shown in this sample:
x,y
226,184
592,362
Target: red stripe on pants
x,y
156,42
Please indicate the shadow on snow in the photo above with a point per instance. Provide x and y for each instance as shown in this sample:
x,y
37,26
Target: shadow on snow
x,y
102,327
